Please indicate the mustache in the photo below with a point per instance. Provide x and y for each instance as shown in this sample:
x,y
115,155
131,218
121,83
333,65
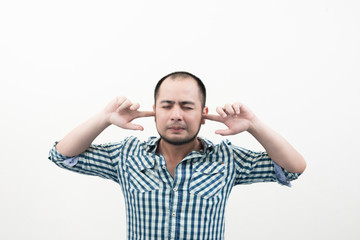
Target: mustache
x,y
176,126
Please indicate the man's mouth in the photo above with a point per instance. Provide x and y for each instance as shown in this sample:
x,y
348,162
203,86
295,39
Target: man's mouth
x,y
176,128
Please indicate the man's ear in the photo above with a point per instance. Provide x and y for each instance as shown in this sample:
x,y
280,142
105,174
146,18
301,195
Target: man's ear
x,y
154,112
204,112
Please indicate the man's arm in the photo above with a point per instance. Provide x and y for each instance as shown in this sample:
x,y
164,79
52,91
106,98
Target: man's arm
x,y
120,112
238,118
279,150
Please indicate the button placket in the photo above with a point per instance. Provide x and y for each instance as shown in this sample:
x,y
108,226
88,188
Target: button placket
x,y
175,204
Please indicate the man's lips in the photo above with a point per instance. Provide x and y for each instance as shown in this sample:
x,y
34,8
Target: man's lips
x,y
176,128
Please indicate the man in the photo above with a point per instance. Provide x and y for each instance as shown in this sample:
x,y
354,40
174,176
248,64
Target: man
x,y
176,186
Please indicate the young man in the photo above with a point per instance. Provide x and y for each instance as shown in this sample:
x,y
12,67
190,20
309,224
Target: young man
x,y
176,186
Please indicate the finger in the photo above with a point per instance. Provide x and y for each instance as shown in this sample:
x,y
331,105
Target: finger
x,y
146,114
221,112
135,106
224,132
213,117
120,100
229,109
133,126
125,105
237,107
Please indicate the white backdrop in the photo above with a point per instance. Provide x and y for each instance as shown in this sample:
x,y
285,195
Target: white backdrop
x,y
295,63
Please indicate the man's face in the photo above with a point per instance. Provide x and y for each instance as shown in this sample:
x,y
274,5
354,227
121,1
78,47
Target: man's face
x,y
178,111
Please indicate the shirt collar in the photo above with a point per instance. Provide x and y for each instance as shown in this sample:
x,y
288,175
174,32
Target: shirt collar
x,y
152,143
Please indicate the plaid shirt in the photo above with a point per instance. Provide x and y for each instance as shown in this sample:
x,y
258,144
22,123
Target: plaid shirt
x,y
189,206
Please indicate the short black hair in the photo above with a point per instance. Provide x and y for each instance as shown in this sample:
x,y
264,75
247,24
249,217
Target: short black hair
x,y
182,74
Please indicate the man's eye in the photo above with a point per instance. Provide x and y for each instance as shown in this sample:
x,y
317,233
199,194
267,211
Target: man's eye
x,y
166,107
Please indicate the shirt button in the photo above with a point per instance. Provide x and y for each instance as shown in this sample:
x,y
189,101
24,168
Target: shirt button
x,y
173,214
164,167
175,189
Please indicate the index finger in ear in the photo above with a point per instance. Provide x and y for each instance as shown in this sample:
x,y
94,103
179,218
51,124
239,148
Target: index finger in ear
x,y
212,117
146,114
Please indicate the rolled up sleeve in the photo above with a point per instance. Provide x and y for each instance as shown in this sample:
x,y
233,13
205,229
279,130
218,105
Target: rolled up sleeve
x,y
98,160
253,167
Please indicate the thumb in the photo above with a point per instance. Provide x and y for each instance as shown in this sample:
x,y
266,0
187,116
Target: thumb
x,y
224,132
132,126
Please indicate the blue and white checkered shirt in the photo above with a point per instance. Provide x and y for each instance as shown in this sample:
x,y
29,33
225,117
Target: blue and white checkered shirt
x,y
189,206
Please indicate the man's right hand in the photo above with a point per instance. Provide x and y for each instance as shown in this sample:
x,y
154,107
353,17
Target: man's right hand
x,y
121,112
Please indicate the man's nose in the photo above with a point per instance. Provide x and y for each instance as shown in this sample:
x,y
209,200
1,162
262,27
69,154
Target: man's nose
x,y
176,114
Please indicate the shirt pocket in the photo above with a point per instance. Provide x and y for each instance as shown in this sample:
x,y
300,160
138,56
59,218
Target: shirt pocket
x,y
142,177
207,179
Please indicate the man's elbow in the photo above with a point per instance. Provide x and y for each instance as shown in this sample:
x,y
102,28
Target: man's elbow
x,y
300,165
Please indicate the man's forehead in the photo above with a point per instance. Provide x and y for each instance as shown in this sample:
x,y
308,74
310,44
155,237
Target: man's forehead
x,y
179,90
178,97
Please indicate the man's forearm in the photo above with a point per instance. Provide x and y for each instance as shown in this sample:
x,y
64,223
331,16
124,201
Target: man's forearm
x,y
80,139
278,148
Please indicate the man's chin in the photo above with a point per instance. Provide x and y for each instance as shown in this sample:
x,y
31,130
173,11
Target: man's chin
x,y
177,141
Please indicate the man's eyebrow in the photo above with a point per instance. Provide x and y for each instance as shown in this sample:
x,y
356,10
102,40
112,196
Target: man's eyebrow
x,y
187,103
167,102
173,102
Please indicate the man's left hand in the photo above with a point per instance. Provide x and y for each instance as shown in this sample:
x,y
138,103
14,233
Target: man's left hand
x,y
237,117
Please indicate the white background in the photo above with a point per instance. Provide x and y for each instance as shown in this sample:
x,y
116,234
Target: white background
x,y
295,63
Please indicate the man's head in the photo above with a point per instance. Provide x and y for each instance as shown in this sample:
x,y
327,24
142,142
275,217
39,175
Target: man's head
x,y
179,107
179,76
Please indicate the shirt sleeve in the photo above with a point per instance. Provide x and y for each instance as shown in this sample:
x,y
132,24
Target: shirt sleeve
x,y
98,160
254,167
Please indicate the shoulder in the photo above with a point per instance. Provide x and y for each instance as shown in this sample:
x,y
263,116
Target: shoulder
x,y
133,145
227,148
223,148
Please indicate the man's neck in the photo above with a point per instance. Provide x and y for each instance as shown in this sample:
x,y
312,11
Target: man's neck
x,y
175,153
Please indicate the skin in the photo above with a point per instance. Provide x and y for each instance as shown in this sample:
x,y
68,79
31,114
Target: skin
x,y
178,116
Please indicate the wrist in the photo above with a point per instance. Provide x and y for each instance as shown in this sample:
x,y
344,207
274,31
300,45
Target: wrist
x,y
255,126
103,118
